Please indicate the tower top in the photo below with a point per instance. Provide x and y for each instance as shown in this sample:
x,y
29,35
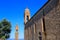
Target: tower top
x,y
26,15
27,10
16,27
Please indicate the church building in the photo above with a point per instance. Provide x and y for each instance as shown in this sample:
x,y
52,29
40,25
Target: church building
x,y
45,24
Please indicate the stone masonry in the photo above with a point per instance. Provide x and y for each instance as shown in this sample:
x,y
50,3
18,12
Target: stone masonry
x,y
45,24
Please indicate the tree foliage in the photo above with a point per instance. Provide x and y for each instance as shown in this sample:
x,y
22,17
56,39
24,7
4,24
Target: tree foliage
x,y
5,29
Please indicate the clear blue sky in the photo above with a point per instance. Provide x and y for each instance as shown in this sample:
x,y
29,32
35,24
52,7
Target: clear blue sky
x,y
13,11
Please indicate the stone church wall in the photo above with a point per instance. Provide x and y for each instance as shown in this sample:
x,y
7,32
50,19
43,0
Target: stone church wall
x,y
52,20
51,14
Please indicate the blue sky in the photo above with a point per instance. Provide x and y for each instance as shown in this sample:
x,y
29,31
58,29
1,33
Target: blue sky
x,y
13,11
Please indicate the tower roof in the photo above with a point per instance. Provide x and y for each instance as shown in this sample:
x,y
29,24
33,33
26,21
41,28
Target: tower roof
x,y
27,10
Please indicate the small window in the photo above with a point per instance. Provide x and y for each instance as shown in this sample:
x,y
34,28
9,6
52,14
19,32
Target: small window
x,y
27,18
39,33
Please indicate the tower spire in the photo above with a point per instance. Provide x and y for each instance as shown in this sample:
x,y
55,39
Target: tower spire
x,y
16,32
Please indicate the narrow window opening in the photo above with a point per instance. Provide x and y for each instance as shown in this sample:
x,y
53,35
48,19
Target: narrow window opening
x,y
44,21
27,18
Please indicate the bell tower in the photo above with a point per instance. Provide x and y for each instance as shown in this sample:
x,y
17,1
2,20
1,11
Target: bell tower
x,y
16,32
26,15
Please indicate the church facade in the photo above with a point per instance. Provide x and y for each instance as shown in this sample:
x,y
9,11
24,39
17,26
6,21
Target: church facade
x,y
45,24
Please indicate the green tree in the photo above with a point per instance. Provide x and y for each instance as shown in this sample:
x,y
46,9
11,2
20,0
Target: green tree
x,y
5,29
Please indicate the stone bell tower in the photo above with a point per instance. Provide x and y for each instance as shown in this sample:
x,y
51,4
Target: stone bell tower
x,y
16,32
26,15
